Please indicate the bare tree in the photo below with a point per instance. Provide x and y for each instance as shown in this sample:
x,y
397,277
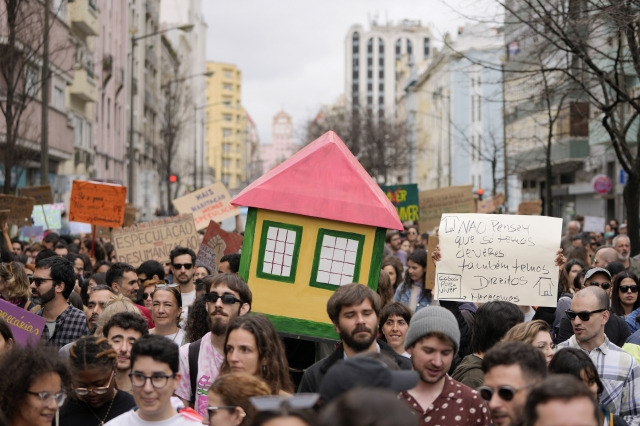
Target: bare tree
x,y
24,27
379,143
595,46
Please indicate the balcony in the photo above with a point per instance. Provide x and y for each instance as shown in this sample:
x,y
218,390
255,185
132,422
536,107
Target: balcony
x,y
84,86
83,15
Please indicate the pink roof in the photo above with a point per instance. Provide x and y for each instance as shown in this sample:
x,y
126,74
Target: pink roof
x,y
322,180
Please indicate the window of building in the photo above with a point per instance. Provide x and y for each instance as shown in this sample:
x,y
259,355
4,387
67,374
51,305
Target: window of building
x,y
226,133
398,49
227,86
226,147
337,258
227,117
278,253
228,74
225,165
409,48
473,147
77,130
58,97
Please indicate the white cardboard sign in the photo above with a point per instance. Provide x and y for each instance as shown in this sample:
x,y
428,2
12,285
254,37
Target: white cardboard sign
x,y
489,257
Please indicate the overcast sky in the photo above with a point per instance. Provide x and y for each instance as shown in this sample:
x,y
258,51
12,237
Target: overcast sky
x,y
291,52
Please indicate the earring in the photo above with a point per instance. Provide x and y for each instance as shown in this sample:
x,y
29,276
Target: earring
x,y
264,369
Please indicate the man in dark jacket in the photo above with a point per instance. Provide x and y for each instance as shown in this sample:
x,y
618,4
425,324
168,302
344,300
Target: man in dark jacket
x,y
354,310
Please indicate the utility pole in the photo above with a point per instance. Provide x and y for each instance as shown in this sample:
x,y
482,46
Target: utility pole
x,y
44,96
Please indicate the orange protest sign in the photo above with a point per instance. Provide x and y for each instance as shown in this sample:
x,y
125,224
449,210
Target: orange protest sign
x,y
99,204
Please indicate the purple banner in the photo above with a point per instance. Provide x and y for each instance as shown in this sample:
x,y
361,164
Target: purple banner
x,y
26,327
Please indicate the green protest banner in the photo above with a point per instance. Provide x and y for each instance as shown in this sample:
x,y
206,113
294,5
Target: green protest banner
x,y
405,200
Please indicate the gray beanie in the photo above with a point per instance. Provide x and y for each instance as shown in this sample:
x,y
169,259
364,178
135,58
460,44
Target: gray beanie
x,y
430,319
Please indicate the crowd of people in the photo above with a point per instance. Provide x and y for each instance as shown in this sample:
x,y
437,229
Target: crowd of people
x,y
177,343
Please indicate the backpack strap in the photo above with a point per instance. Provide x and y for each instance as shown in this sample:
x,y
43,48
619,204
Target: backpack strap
x,y
194,353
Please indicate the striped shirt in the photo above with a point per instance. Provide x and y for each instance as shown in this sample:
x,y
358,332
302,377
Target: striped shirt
x,y
620,375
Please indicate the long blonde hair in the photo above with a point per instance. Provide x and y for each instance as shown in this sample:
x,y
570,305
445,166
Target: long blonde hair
x,y
15,277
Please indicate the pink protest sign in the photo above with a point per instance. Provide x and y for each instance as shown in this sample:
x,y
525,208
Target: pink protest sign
x,y
26,327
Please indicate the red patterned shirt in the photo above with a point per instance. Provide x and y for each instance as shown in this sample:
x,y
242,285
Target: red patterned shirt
x,y
457,405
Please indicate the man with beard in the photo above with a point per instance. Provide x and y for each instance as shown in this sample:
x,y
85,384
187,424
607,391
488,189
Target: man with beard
x,y
122,278
227,297
618,371
354,310
183,266
53,282
622,245
433,340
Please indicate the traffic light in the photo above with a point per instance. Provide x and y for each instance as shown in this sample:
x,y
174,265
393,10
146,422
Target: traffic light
x,y
173,178
480,193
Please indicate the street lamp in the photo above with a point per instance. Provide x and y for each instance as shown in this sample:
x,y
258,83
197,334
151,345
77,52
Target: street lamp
x,y
186,28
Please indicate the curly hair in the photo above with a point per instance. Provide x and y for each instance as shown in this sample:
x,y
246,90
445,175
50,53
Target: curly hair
x,y
197,321
271,354
526,331
235,389
21,367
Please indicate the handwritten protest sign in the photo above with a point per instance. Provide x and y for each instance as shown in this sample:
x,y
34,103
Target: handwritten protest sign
x,y
49,216
435,202
593,224
530,207
498,257
26,327
206,204
154,240
99,204
41,194
20,209
405,200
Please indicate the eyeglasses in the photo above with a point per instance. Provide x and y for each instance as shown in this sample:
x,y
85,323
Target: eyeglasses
x,y
101,390
179,266
583,315
158,381
47,397
506,393
227,299
626,288
166,285
38,281
604,286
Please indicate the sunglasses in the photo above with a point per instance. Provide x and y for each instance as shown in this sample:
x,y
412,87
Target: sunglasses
x,y
506,393
626,288
179,266
146,296
227,299
604,286
583,315
38,281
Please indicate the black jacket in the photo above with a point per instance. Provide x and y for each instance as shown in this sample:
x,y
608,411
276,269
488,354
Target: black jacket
x,y
313,375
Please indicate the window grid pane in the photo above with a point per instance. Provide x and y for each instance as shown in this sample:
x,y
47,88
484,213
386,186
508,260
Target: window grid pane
x,y
279,251
338,258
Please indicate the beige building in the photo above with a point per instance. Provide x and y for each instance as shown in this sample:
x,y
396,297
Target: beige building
x,y
225,125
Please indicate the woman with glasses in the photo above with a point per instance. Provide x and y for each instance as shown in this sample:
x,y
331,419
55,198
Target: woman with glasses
x,y
149,286
14,285
229,403
166,309
34,384
536,333
624,295
253,346
94,399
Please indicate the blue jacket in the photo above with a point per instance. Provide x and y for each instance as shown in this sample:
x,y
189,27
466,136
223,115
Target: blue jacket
x,y
403,296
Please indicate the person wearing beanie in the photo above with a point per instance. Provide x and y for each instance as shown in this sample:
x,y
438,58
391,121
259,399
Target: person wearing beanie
x,y
433,339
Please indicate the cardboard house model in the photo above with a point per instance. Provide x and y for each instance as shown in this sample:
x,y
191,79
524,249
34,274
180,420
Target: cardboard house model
x,y
315,222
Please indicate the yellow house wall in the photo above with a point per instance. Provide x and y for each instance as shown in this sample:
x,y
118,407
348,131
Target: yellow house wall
x,y
299,299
